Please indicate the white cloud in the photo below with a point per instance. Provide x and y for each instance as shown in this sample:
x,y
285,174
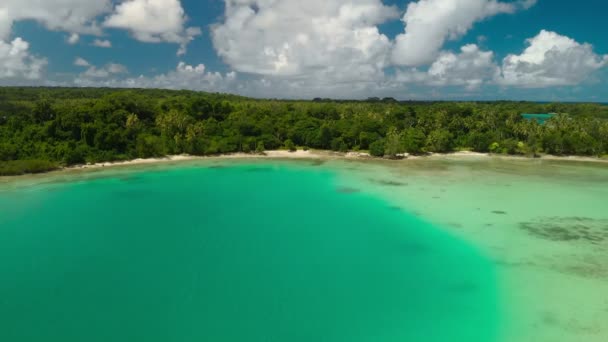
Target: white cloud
x,y
429,23
327,40
551,60
154,21
115,68
197,77
74,16
6,24
73,38
147,20
102,43
16,62
81,62
470,68
110,69
183,77
528,3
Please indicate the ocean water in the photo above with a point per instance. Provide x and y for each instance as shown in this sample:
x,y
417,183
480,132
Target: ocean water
x,y
244,251
544,225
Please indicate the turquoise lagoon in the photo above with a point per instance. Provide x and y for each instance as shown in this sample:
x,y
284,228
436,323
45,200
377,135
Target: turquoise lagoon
x,y
232,251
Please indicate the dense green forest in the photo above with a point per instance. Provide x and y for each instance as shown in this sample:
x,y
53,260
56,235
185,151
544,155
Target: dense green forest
x,y
44,128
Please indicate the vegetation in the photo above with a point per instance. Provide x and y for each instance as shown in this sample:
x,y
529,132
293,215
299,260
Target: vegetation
x,y
43,128
21,167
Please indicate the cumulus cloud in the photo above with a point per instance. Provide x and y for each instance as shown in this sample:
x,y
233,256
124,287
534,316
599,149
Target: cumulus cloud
x,y
16,62
197,77
471,68
528,3
325,39
430,23
149,21
79,61
5,24
102,43
183,77
73,38
106,71
74,16
551,60
154,21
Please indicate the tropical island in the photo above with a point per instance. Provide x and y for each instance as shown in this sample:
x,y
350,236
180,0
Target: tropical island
x,y
42,129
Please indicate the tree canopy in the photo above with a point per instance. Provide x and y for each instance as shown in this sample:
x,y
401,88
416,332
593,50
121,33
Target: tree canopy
x,y
42,128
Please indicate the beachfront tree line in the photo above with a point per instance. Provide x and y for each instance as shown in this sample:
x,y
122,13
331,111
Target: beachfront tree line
x,y
43,128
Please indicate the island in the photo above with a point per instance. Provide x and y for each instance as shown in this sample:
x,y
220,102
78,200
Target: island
x,y
43,129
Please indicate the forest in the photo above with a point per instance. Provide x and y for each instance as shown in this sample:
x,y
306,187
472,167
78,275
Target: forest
x,y
42,129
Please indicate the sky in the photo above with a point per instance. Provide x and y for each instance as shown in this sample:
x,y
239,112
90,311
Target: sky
x,y
538,50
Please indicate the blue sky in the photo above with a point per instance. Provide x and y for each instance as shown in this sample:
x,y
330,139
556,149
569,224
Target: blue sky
x,y
543,50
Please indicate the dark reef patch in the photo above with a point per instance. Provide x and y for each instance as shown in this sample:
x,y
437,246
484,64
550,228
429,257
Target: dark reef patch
x,y
583,229
347,190
318,162
257,169
388,182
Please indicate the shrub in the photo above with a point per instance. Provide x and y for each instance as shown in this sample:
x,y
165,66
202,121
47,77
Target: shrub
x,y
376,148
290,146
260,147
21,167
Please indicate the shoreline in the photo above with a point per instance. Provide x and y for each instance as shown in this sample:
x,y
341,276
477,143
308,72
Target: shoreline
x,y
314,154
321,154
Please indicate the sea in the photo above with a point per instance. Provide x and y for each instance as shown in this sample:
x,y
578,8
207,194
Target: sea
x,y
316,250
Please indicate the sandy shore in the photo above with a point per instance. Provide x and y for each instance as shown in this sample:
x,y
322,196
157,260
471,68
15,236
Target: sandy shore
x,y
267,155
317,154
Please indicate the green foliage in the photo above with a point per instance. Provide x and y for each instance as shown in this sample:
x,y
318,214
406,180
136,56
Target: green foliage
x,y
440,141
260,149
148,146
338,144
413,141
21,167
290,145
393,144
66,126
376,149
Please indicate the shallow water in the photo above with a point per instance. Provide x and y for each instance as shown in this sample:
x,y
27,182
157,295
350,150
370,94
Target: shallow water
x,y
255,251
543,223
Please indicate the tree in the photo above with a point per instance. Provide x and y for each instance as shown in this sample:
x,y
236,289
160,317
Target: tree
x,y
290,146
149,146
413,141
260,149
376,149
43,111
393,144
338,144
439,140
